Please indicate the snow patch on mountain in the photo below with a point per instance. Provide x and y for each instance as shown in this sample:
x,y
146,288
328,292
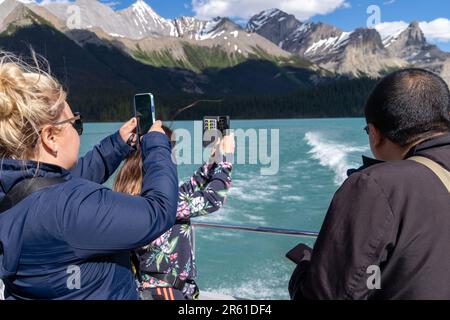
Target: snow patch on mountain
x,y
147,22
329,44
390,31
262,18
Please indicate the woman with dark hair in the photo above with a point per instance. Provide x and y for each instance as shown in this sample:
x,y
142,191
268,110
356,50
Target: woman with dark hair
x,y
166,267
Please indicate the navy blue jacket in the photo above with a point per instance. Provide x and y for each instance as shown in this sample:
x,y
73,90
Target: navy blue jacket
x,y
82,230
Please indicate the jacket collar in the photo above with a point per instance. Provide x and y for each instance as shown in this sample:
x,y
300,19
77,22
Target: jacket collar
x,y
431,143
436,142
14,171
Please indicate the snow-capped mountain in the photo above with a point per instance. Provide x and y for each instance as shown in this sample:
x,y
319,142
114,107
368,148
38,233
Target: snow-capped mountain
x,y
138,21
194,29
146,22
361,51
275,25
271,33
140,31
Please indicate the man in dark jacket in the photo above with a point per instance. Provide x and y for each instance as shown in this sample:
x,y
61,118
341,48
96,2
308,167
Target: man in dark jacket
x,y
387,232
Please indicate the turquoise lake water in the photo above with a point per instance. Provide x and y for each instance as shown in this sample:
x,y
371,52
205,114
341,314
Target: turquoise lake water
x,y
314,158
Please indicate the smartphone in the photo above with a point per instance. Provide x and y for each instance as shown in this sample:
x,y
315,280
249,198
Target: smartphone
x,y
144,111
299,253
220,124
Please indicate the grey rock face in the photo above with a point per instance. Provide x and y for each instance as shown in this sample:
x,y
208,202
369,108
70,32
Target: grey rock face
x,y
275,25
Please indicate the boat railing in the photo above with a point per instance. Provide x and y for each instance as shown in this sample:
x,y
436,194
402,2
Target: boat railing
x,y
257,229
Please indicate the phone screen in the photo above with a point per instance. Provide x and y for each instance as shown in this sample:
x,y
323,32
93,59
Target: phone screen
x,y
144,110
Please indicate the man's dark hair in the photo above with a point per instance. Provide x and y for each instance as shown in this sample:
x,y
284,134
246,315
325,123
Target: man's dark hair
x,y
409,105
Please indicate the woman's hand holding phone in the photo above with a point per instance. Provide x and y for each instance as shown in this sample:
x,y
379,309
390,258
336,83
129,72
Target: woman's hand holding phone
x,y
128,132
157,127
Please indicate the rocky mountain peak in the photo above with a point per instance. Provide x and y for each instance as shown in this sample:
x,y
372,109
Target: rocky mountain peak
x,y
142,8
226,24
366,37
21,16
414,35
143,19
274,25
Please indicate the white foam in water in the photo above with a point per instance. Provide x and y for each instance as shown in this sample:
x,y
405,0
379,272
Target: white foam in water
x,y
266,284
332,155
218,235
293,198
253,289
255,189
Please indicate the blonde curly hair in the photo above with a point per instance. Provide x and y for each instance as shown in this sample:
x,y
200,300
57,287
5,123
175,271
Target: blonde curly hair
x,y
30,98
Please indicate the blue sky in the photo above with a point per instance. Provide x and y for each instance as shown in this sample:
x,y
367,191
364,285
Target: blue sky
x,y
346,14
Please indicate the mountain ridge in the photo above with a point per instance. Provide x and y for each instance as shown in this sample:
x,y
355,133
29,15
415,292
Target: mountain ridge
x,y
361,52
275,58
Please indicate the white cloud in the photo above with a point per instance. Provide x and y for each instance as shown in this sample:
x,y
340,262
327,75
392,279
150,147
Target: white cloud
x,y
387,29
437,30
302,9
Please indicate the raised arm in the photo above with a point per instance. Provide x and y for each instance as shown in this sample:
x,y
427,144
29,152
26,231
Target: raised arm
x,y
101,221
104,159
205,192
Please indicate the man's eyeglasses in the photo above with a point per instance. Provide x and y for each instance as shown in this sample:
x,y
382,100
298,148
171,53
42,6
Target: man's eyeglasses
x,y
366,129
76,122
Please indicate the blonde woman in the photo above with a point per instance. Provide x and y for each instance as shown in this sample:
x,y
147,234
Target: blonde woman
x,y
71,239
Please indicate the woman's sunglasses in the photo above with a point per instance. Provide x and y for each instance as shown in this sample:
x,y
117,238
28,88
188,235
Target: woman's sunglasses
x,y
76,122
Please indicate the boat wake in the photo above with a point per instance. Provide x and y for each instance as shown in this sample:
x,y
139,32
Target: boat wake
x,y
270,287
332,155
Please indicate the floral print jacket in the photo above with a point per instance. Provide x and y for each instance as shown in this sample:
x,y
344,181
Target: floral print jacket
x,y
173,252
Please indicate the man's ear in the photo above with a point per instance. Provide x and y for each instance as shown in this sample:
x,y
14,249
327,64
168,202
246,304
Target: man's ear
x,y
49,140
376,136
